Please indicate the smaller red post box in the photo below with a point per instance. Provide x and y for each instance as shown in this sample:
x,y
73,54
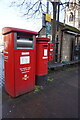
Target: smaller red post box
x,y
50,51
41,58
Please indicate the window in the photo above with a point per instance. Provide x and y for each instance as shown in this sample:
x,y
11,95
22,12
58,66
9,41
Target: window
x,y
71,17
71,4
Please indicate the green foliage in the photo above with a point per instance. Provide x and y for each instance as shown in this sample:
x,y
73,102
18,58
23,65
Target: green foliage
x,y
37,88
50,79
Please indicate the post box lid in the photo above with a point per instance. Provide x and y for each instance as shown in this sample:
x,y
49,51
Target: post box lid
x,y
43,39
6,30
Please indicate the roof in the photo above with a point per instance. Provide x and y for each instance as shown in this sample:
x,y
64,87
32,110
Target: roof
x,y
6,30
68,27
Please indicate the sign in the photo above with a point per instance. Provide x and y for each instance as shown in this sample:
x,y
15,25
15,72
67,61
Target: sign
x,y
25,60
25,77
25,53
48,17
45,52
48,28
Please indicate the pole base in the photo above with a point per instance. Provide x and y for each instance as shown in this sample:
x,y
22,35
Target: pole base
x,y
41,79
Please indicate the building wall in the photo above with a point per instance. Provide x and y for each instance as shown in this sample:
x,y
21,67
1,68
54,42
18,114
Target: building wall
x,y
42,32
65,41
59,33
79,18
66,46
73,9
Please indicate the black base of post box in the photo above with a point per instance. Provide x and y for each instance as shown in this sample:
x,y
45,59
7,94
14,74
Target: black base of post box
x,y
41,79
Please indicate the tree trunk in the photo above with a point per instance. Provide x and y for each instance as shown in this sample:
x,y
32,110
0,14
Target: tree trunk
x,y
54,26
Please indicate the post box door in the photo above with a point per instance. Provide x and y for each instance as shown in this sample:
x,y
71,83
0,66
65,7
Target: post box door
x,y
24,64
24,72
50,51
42,59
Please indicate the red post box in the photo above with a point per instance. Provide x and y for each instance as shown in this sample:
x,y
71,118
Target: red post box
x,y
41,58
19,60
50,51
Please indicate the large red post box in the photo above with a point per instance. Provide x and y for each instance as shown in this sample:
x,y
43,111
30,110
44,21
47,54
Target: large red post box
x,y
19,60
50,51
41,58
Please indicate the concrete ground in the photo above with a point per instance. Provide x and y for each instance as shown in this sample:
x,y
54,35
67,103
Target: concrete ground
x,y
56,98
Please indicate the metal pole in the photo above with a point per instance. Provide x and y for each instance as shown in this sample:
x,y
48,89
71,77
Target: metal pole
x,y
58,16
47,6
57,28
54,27
47,11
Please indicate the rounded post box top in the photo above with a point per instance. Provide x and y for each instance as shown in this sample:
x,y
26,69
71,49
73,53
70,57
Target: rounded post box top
x,y
7,30
43,39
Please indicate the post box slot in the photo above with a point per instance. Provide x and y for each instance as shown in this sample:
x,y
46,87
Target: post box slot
x,y
24,42
45,45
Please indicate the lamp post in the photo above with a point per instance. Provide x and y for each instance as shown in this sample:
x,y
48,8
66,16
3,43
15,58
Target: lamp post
x,y
55,26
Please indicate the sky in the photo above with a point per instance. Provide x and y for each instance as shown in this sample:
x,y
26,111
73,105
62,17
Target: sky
x,y
11,17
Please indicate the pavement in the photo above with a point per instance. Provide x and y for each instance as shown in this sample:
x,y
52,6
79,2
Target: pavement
x,y
1,69
56,97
